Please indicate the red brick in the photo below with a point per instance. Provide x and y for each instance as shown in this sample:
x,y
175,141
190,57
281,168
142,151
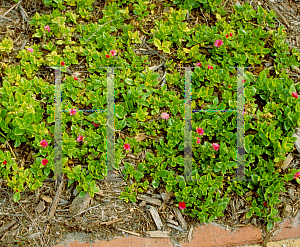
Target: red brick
x,y
214,235
289,228
77,244
134,241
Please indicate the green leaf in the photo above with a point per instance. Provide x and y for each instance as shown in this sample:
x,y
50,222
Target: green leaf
x,y
182,184
129,81
168,187
82,194
166,44
138,175
120,113
157,43
248,214
19,131
16,197
269,226
166,50
262,77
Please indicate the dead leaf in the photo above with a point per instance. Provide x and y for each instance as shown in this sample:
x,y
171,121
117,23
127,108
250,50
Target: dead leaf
x,y
141,137
40,207
47,199
80,204
100,193
76,73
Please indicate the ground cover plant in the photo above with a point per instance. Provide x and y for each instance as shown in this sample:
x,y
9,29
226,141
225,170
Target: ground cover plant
x,y
142,104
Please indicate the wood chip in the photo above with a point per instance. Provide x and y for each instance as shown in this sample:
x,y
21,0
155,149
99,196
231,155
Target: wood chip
x,y
287,161
34,235
156,217
149,200
158,234
133,233
190,233
172,222
7,226
111,222
47,199
297,142
141,136
167,196
178,228
180,218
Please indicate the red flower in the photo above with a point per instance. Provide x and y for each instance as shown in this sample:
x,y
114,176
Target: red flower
x,y
107,56
231,34
75,78
140,96
144,60
283,30
182,205
17,190
134,65
44,162
96,125
62,63
5,162
229,86
243,80
295,95
126,146
265,204
227,36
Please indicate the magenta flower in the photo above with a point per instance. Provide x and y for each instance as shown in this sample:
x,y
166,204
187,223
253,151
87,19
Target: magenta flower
x,y
198,64
62,63
295,95
200,131
72,111
218,43
209,67
44,143
79,138
30,50
165,115
297,175
216,146
47,28
182,205
113,52
198,141
44,162
126,146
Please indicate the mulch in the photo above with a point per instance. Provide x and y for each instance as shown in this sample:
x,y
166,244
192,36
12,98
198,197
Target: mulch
x,y
104,217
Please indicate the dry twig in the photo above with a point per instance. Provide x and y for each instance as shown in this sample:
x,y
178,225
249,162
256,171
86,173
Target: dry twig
x,y
55,201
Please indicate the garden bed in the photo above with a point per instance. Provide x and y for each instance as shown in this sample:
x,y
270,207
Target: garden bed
x,y
26,221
